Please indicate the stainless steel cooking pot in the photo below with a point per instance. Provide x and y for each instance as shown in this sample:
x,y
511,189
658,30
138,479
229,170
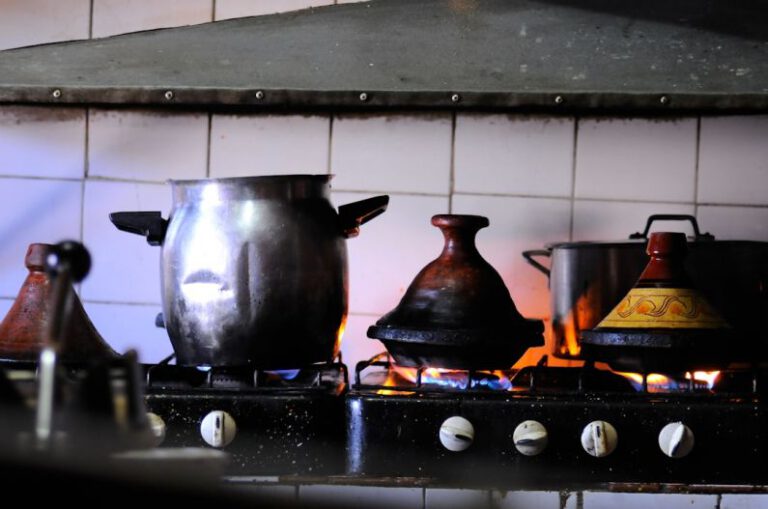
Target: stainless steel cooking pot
x,y
587,279
254,270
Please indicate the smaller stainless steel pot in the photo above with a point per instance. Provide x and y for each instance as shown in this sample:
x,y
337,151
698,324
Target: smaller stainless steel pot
x,y
587,279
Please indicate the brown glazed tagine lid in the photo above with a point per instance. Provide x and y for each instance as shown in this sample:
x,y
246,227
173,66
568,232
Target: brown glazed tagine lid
x,y
664,323
457,313
23,329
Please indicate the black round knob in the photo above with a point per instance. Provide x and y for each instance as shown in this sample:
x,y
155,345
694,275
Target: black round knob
x,y
72,255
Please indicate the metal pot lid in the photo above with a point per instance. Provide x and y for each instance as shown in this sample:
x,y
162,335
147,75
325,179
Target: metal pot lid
x,y
640,238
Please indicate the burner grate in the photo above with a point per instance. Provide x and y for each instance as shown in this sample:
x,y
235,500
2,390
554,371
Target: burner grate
x,y
544,379
316,377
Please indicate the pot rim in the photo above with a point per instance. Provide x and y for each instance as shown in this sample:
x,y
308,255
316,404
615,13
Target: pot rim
x,y
634,243
320,177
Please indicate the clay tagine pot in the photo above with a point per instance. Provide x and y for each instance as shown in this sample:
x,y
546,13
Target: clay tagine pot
x,y
457,313
23,329
663,324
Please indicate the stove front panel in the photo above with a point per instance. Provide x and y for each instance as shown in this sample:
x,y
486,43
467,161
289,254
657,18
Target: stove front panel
x,y
399,435
276,434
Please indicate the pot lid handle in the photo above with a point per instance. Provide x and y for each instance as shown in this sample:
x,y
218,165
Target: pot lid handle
x,y
352,215
148,224
673,217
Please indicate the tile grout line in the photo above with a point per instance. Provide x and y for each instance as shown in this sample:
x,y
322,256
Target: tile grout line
x,y
696,169
452,167
86,170
330,143
90,20
208,148
573,176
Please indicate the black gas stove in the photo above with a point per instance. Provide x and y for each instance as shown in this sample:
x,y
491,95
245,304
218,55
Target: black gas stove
x,y
270,422
556,426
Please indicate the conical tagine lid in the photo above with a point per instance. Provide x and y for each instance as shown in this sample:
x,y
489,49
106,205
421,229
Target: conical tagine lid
x,y
22,329
664,296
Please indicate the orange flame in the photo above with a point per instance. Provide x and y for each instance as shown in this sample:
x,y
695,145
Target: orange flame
x,y
662,383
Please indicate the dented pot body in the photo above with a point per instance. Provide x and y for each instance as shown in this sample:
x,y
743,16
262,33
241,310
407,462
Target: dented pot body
x,y
254,270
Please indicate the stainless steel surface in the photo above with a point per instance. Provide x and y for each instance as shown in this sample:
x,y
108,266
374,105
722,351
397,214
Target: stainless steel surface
x,y
254,270
587,279
657,56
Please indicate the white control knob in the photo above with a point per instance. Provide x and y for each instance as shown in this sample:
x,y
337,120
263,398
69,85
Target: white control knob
x,y
157,427
676,440
530,438
599,438
456,433
218,429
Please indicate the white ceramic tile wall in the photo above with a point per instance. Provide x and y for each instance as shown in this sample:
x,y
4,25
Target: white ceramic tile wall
x,y
131,326
27,22
393,153
610,220
5,305
636,159
537,155
359,496
533,500
112,17
744,501
34,210
42,142
149,146
226,9
243,145
733,160
125,268
603,500
746,223
459,499
518,224
391,250
279,495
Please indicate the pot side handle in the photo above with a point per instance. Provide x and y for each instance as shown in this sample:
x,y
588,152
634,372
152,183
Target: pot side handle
x,y
354,214
148,224
529,257
672,217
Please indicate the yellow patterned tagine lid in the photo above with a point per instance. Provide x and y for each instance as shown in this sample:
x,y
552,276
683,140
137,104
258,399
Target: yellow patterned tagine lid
x,y
664,296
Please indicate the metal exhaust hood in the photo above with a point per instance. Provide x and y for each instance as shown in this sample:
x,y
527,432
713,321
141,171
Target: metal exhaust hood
x,y
653,56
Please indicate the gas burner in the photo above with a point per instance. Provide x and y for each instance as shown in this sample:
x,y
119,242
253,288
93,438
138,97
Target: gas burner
x,y
393,377
326,376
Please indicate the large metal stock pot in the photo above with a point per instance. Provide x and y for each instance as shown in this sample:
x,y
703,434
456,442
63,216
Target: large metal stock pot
x,y
254,269
588,279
